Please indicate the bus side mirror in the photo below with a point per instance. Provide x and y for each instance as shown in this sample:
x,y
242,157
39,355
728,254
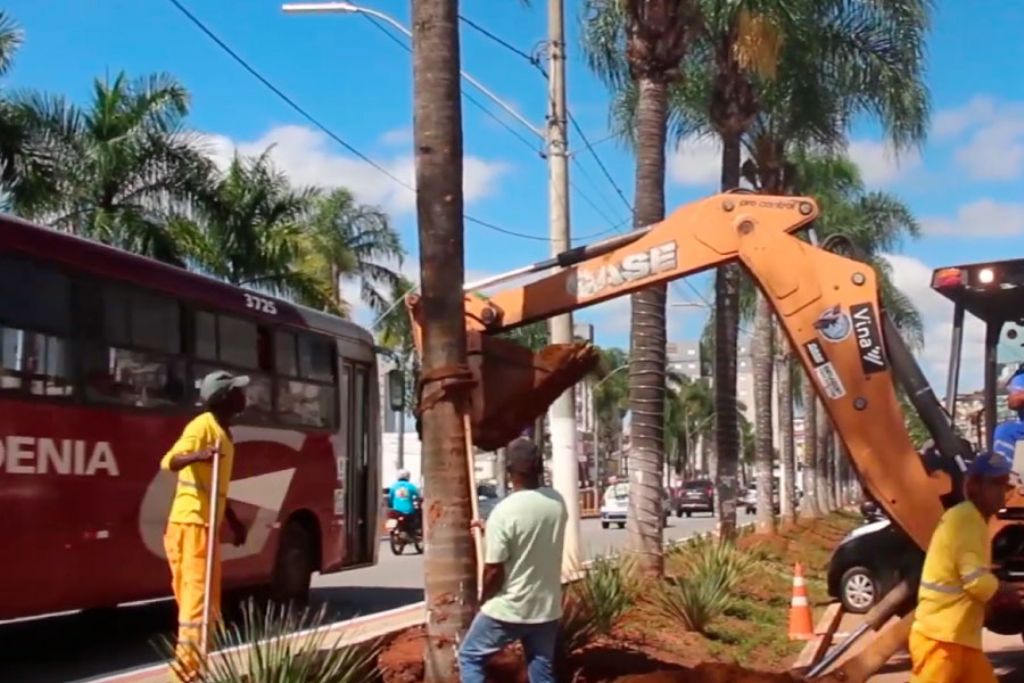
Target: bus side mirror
x,y
396,389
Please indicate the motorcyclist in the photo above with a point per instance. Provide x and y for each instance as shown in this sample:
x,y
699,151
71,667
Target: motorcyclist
x,y
402,499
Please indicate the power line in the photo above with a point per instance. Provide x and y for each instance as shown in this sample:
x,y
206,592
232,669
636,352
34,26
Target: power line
x,y
505,44
589,145
486,110
323,128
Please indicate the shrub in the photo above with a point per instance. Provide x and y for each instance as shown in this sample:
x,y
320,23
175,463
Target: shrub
x,y
260,651
692,601
707,573
605,592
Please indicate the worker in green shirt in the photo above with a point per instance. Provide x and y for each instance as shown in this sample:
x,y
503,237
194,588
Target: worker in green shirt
x,y
522,579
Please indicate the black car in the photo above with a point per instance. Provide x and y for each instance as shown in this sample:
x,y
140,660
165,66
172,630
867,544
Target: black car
x,y
869,562
696,495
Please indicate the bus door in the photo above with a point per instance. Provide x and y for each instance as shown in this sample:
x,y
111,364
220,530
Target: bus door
x,y
359,534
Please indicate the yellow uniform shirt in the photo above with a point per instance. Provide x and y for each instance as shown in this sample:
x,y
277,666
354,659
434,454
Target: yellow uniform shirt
x,y
192,496
956,581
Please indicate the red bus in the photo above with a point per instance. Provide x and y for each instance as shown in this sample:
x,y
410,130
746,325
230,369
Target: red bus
x,y
101,353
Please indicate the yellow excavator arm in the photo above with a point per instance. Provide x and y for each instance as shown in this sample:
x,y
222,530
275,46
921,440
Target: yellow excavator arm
x,y
828,305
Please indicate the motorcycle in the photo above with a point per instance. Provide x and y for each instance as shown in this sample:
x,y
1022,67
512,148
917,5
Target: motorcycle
x,y
401,532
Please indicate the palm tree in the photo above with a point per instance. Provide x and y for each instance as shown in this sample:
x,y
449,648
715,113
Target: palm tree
x,y
636,46
12,129
118,169
449,562
351,241
247,228
777,74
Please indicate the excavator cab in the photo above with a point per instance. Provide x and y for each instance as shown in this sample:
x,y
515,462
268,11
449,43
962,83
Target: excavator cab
x,y
993,294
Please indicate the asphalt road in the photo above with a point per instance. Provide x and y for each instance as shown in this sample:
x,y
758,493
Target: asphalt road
x,y
85,646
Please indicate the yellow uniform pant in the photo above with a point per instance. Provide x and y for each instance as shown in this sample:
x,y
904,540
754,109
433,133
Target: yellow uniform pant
x,y
185,545
938,662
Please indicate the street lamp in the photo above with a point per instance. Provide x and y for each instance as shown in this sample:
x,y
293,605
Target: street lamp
x,y
349,8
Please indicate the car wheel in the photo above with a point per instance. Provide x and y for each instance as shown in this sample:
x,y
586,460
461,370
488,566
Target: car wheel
x,y
689,514
858,590
604,525
679,513
622,525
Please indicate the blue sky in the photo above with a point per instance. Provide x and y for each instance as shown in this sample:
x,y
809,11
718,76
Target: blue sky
x,y
966,185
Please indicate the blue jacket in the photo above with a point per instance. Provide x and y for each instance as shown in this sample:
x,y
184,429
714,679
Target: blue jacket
x,y
401,497
1006,436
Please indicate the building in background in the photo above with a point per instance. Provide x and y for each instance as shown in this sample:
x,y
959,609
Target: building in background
x,y
683,358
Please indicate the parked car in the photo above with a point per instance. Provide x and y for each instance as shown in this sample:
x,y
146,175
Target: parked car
x,y
615,506
869,562
748,499
487,498
696,495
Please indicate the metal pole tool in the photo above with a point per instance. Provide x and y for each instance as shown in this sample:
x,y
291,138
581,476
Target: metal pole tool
x,y
211,547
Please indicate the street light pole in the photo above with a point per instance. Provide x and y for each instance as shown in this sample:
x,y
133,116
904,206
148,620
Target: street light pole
x,y
349,8
564,458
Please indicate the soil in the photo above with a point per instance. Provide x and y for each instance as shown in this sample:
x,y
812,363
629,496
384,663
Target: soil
x,y
645,648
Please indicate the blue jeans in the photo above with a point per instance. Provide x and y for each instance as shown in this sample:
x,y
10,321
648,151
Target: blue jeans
x,y
487,636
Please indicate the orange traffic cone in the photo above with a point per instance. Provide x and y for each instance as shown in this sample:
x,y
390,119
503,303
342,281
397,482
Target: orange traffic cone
x,y
800,626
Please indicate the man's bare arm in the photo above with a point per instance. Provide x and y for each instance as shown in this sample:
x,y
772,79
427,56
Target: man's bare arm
x,y
494,578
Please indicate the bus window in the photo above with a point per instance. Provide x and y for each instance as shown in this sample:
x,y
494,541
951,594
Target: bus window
x,y
206,336
40,363
315,359
34,297
286,356
305,404
35,319
238,342
133,360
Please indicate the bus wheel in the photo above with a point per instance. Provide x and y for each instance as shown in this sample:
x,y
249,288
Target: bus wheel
x,y
293,568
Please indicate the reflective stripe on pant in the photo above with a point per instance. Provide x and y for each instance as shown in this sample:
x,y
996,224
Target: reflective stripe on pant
x,y
185,545
938,662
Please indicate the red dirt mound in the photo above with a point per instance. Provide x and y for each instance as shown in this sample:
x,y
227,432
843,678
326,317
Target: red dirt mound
x,y
402,662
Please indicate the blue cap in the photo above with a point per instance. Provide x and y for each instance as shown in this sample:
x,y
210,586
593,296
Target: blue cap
x,y
1016,383
989,465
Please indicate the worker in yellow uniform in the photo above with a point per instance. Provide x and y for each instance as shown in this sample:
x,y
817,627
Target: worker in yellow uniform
x,y
186,537
957,582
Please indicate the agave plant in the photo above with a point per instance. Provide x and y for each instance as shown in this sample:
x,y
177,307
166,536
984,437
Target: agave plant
x,y
707,572
606,590
267,648
692,601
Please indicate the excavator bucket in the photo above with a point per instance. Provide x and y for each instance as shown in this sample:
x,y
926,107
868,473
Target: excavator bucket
x,y
515,385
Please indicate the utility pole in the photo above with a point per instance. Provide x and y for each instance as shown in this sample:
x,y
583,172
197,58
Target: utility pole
x,y
564,463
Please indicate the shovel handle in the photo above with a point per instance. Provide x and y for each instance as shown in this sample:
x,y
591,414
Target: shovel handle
x,y
211,547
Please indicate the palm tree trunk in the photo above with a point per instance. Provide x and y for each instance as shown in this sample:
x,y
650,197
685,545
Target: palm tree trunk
x,y
647,332
824,438
810,508
449,561
763,446
783,360
726,337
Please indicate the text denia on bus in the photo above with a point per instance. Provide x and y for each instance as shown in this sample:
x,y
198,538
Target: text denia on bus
x,y
31,455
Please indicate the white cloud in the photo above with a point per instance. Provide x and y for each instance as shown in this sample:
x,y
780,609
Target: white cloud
x,y
957,120
914,277
696,161
996,150
310,158
398,136
981,218
879,164
994,146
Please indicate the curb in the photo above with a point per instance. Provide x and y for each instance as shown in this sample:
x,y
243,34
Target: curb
x,y
824,632
375,625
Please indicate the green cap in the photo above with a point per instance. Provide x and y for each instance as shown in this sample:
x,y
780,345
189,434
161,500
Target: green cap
x,y
218,383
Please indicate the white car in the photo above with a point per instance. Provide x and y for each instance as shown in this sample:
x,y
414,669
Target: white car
x,y
616,504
